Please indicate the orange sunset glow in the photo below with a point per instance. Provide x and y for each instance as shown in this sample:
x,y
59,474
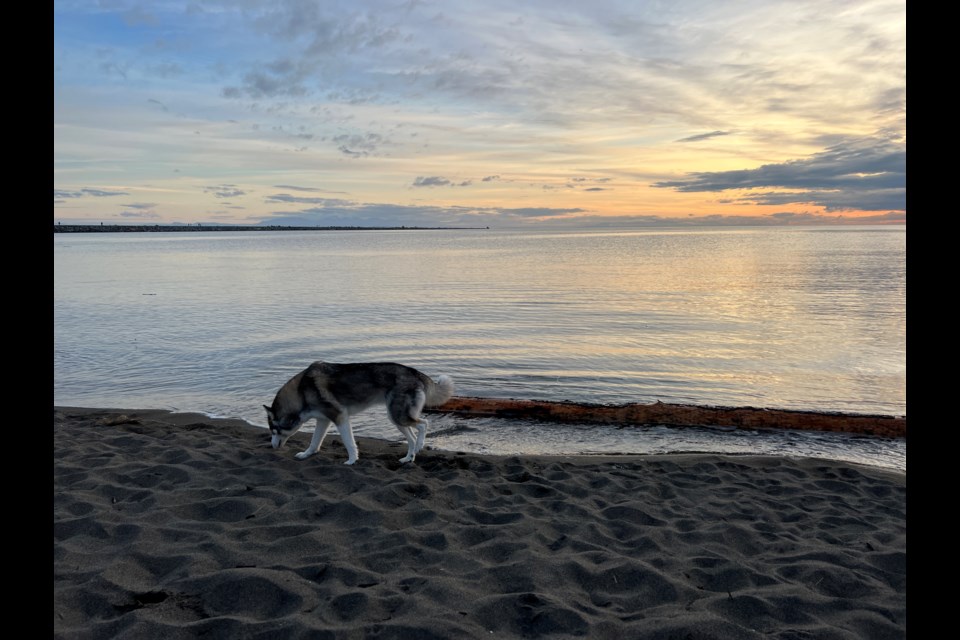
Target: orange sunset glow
x,y
379,113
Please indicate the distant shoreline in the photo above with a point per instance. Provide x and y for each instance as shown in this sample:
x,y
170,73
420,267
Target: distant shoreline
x,y
142,228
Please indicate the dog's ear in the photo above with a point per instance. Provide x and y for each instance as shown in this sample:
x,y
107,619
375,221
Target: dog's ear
x,y
269,410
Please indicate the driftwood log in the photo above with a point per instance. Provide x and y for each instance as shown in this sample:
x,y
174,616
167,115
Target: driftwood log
x,y
677,415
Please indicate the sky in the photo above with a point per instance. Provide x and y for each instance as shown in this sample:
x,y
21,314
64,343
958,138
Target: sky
x,y
545,113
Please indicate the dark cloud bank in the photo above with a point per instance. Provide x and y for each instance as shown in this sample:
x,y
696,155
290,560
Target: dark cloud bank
x,y
862,174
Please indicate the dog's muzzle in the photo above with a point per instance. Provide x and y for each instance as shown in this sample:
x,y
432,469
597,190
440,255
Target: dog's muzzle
x,y
276,441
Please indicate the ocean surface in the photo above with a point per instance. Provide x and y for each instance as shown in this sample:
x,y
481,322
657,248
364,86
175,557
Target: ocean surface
x,y
810,318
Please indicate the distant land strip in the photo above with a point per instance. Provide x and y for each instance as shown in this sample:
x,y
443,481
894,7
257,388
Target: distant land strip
x,y
141,228
676,415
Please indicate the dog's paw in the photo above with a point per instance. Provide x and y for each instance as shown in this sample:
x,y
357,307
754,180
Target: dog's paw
x,y
407,458
303,455
350,461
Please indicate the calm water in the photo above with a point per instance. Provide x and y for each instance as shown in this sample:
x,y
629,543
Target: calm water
x,y
803,318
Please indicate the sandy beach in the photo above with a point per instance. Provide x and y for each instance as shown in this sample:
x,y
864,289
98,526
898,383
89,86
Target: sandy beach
x,y
182,526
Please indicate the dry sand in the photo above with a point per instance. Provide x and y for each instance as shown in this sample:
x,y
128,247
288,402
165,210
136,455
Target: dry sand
x,y
181,526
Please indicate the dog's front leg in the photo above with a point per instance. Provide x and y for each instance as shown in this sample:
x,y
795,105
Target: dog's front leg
x,y
346,434
319,433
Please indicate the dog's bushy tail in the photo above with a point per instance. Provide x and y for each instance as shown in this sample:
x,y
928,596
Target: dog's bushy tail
x,y
439,391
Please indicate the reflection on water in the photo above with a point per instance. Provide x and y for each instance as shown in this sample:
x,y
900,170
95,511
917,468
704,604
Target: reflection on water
x,y
808,318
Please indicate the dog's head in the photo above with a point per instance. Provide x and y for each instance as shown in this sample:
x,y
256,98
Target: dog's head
x,y
281,426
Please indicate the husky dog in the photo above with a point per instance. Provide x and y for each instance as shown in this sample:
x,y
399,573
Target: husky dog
x,y
331,393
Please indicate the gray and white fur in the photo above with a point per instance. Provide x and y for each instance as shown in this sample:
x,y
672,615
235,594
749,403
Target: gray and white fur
x,y
331,393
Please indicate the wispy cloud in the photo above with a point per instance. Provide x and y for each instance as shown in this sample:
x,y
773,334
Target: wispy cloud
x,y
159,104
704,136
284,197
306,189
439,181
759,101
96,193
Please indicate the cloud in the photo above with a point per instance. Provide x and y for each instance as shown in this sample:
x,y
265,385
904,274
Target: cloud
x,y
439,181
140,210
529,92
808,218
284,197
166,70
430,181
538,212
863,174
279,78
160,104
352,214
111,68
357,146
704,136
355,96
581,183
859,200
295,188
225,191
98,193
719,220
332,212
306,189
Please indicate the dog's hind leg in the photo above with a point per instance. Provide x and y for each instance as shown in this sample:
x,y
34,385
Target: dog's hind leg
x,y
411,442
404,410
414,443
346,434
422,424
319,433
